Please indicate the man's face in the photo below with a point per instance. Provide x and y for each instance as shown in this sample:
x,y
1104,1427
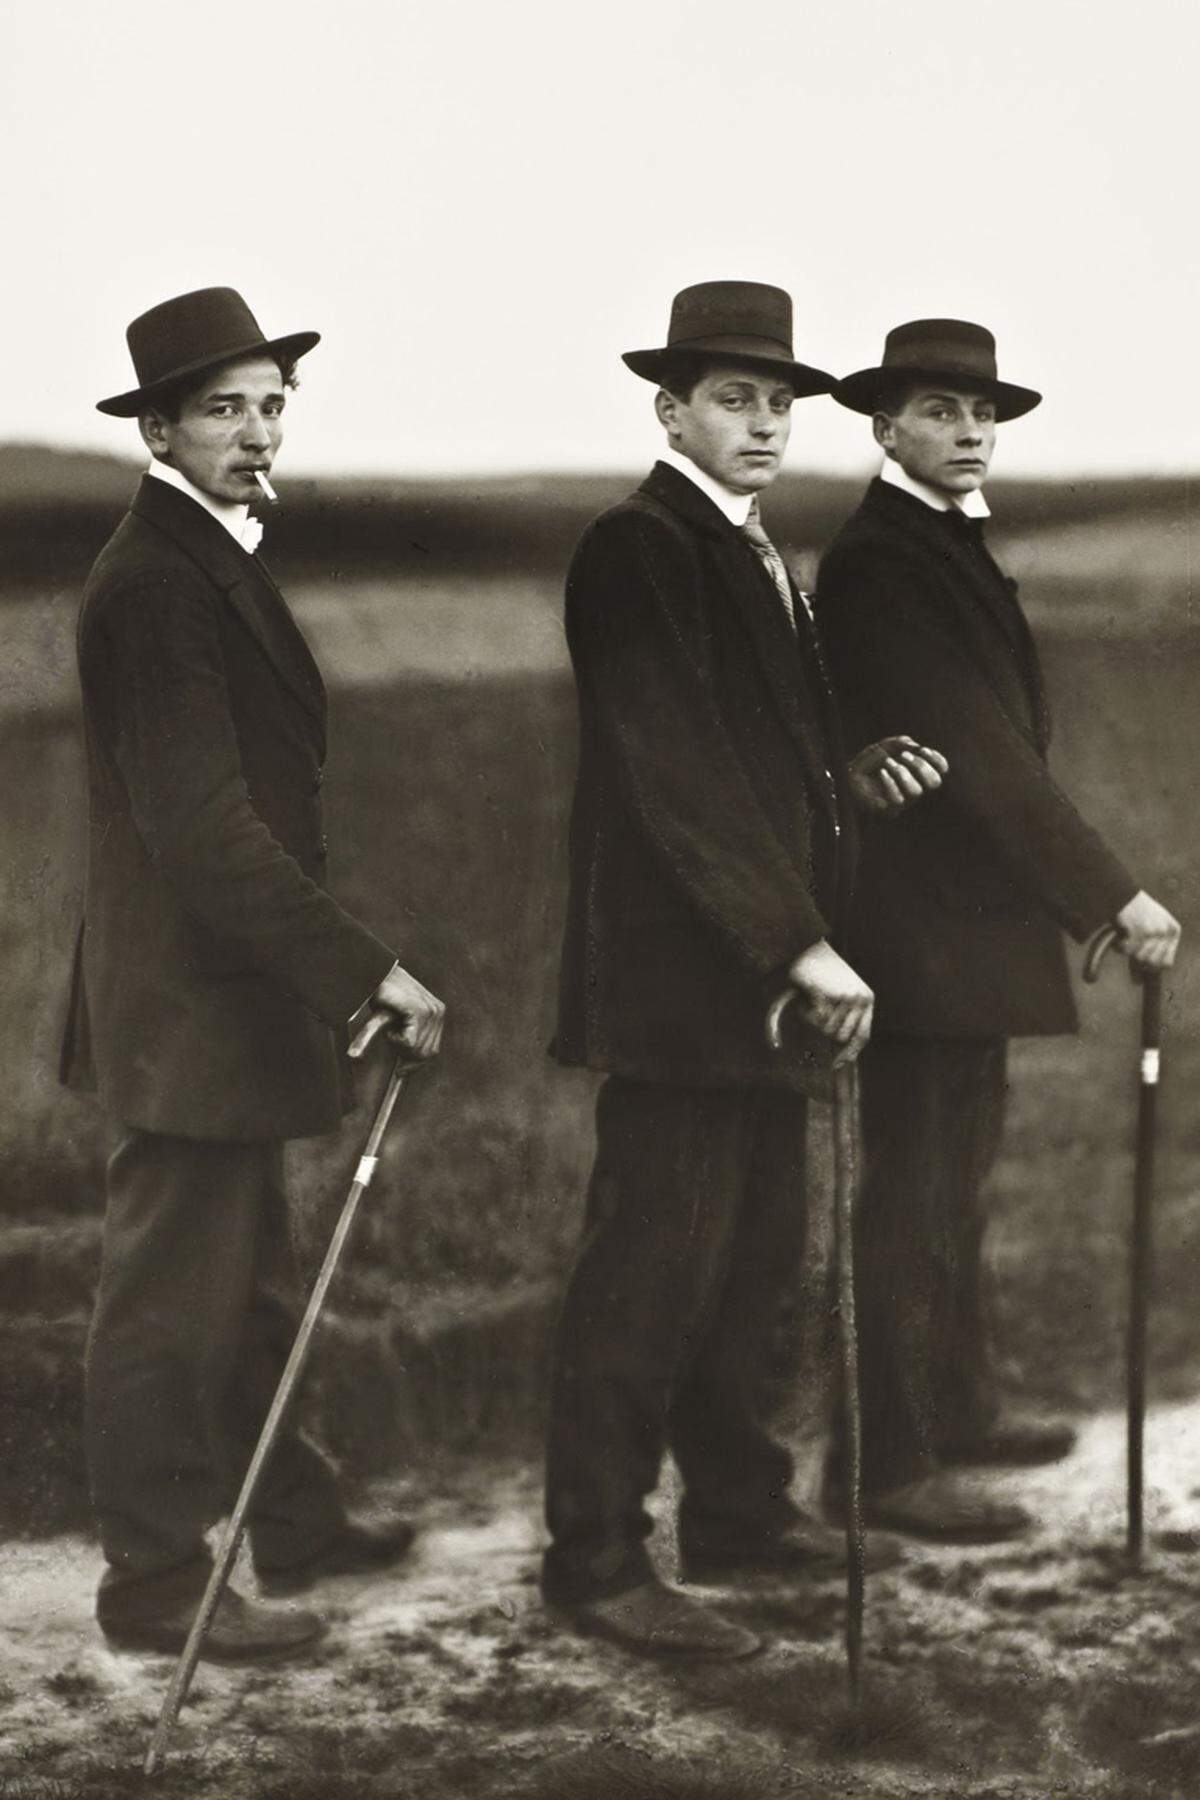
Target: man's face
x,y
735,426
943,436
227,428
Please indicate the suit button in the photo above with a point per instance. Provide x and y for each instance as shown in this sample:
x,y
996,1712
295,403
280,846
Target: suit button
x,y
323,847
318,778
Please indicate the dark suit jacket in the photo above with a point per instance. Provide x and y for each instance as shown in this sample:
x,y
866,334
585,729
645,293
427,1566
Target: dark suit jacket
x,y
959,902
703,851
215,974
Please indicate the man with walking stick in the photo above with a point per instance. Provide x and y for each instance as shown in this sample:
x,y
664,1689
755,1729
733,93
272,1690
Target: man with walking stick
x,y
957,918
711,853
214,983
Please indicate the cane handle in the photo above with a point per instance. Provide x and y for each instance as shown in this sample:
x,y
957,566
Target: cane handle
x,y
383,1019
368,1031
779,1006
1105,940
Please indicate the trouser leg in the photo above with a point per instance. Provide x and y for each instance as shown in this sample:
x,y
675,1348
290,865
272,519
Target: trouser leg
x,y
661,1211
965,1401
723,1424
179,1276
297,1509
931,1114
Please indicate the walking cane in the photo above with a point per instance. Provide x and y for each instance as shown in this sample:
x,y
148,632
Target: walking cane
x,y
1141,1235
845,1188
294,1368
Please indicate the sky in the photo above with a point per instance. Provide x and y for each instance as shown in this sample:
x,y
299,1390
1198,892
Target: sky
x,y
480,205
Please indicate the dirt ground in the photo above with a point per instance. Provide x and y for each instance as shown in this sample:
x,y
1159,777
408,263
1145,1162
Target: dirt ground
x,y
1037,1669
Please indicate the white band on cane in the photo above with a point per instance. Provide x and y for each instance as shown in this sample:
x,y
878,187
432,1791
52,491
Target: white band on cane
x,y
1150,1065
367,1166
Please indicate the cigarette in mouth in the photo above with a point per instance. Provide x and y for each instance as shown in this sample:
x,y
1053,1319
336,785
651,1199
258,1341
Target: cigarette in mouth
x,y
269,494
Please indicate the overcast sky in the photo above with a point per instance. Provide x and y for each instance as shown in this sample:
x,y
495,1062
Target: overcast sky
x,y
482,204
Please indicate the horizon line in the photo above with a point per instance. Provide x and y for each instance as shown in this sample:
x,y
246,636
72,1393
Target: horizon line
x,y
605,472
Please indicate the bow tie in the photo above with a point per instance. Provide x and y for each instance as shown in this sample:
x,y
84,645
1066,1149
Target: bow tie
x,y
252,532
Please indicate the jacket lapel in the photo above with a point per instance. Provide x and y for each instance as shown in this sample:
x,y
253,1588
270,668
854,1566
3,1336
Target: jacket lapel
x,y
789,673
245,584
291,644
990,591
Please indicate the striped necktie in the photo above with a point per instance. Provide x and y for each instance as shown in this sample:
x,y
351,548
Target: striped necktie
x,y
770,558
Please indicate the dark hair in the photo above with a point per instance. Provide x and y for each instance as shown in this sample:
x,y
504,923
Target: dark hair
x,y
679,371
895,391
170,401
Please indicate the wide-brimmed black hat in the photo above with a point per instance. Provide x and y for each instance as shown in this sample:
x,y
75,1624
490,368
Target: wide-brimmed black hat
x,y
951,350
734,321
189,334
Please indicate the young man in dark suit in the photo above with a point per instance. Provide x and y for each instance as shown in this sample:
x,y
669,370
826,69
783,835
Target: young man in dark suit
x,y
957,917
711,854
213,988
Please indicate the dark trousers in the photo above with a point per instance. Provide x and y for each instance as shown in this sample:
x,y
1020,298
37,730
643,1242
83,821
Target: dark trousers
x,y
674,1331
932,1115
197,1308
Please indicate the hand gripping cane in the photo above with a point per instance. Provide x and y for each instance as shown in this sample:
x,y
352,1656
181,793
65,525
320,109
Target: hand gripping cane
x,y
845,1185
294,1368
1141,1234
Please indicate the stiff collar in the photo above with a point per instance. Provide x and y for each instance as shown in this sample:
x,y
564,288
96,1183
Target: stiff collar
x,y
736,507
972,505
230,513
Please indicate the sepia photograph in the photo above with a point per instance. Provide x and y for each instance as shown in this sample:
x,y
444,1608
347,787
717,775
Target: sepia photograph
x,y
599,1174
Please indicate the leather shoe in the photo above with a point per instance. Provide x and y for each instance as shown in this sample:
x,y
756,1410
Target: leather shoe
x,y
654,1621
361,1547
242,1630
948,1510
1017,1440
807,1547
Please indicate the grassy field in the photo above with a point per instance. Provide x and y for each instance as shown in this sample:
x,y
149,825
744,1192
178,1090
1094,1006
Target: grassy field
x,y
448,786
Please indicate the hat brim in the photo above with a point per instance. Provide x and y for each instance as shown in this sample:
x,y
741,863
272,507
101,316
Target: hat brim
x,y
863,390
128,406
804,381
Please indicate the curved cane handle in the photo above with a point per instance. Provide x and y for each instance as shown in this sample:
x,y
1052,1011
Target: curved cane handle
x,y
779,1006
369,1030
1098,949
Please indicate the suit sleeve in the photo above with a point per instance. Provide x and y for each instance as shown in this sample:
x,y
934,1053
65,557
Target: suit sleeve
x,y
175,745
637,646
899,661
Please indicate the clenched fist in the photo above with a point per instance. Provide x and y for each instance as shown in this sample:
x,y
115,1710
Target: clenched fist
x,y
1149,933
836,1000
408,1012
889,776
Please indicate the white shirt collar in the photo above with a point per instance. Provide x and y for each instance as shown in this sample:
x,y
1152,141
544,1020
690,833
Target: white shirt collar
x,y
230,513
736,507
973,505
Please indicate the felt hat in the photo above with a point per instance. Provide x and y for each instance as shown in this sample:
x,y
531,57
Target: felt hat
x,y
950,350
194,332
734,321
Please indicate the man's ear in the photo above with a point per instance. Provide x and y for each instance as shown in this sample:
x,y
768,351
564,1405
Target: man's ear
x,y
666,405
152,425
884,427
